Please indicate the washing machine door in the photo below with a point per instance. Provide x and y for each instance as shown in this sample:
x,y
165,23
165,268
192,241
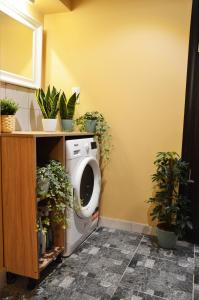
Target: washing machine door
x,y
87,185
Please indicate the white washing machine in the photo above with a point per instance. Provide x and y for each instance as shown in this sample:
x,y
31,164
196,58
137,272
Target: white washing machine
x,y
83,168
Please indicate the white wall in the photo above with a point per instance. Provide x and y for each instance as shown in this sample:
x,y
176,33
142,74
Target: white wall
x,y
28,117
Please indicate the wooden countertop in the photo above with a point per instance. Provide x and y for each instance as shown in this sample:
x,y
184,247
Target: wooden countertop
x,y
45,134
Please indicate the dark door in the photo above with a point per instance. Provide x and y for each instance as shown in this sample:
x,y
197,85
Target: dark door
x,y
190,147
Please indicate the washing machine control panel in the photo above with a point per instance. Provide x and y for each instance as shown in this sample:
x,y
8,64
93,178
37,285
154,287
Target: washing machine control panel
x,y
93,145
80,148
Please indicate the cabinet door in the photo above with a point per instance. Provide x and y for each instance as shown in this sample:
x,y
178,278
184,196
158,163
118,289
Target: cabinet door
x,y
19,205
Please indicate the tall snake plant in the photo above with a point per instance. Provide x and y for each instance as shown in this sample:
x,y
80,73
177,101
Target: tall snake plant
x,y
49,102
67,107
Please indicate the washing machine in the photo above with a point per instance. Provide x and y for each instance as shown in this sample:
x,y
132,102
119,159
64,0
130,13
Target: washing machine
x,y
82,164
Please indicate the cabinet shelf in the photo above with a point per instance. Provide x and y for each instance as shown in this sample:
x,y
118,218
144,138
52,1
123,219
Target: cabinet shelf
x,y
49,256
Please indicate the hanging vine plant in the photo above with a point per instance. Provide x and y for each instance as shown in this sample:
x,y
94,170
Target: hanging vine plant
x,y
101,132
53,184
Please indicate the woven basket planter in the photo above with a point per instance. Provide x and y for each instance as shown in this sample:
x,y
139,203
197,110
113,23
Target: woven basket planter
x,y
7,123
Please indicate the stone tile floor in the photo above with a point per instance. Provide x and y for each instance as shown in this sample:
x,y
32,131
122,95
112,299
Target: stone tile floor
x,y
119,265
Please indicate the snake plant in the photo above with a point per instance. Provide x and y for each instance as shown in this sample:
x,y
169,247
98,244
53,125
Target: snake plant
x,y
67,107
49,102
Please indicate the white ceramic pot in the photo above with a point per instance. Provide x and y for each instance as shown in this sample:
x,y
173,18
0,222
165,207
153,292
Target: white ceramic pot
x,y
49,124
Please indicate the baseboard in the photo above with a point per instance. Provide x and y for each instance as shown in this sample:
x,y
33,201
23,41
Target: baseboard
x,y
2,279
127,225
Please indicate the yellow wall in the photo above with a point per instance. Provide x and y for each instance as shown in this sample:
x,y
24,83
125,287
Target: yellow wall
x,y
130,58
28,8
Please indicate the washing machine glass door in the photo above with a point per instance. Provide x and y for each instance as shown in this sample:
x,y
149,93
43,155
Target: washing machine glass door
x,y
87,187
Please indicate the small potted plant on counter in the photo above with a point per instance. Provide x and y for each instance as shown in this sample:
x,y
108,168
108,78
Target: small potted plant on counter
x,y
49,105
88,121
67,110
171,208
8,110
95,122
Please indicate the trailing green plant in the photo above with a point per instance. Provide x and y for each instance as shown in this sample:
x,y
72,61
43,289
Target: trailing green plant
x,y
67,107
171,206
102,134
49,102
8,106
59,192
93,115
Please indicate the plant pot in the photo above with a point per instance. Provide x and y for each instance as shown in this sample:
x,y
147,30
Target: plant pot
x,y
43,187
49,239
39,239
166,239
90,125
7,123
49,124
39,243
67,125
43,242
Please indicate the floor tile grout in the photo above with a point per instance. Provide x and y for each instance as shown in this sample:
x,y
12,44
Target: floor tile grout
x,y
86,240
164,259
130,261
160,258
128,266
158,297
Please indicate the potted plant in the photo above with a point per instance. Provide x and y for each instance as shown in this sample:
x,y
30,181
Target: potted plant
x,y
95,122
43,182
171,208
57,194
88,121
8,110
67,110
49,105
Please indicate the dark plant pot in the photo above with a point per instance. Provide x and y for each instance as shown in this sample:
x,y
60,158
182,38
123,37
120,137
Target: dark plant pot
x,y
43,237
90,125
39,239
49,239
43,187
39,243
166,239
67,125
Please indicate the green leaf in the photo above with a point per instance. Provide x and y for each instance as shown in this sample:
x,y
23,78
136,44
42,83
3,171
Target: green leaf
x,y
71,106
48,102
63,106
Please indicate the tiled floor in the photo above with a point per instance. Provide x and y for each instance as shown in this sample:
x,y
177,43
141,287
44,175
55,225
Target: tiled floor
x,y
119,265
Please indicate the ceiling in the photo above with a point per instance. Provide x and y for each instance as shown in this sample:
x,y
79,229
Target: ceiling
x,y
52,6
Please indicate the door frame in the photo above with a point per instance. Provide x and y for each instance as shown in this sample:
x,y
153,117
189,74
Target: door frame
x,y
190,102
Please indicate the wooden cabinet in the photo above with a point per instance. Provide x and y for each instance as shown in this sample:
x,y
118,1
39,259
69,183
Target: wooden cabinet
x,y
20,154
